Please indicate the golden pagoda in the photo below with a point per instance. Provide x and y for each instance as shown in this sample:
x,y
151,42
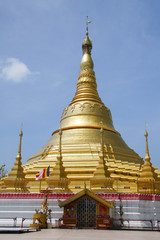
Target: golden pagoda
x,y
148,179
15,180
86,148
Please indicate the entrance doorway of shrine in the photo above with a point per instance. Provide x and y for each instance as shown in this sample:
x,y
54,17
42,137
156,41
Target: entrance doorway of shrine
x,y
86,213
86,210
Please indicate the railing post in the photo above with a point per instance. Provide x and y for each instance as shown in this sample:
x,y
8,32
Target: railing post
x,y
15,221
158,224
151,224
22,222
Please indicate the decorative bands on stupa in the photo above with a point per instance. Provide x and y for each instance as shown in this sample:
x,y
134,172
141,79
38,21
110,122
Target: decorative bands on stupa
x,y
92,127
88,108
86,75
77,114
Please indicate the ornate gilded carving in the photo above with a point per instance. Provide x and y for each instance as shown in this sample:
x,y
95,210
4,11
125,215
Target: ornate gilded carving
x,y
72,108
87,75
82,106
90,107
64,113
87,82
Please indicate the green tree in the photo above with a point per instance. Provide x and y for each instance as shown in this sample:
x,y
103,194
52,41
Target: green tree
x,y
3,171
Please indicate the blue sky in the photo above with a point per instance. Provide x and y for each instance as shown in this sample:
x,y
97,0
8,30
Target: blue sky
x,y
40,54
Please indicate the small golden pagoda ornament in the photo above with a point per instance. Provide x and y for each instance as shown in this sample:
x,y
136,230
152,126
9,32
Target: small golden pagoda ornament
x,y
15,180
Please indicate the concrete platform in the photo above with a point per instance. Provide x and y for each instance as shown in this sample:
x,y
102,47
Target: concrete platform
x,y
63,234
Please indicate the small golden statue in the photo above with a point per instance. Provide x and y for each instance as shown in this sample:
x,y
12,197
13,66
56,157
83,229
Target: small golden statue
x,y
41,216
44,205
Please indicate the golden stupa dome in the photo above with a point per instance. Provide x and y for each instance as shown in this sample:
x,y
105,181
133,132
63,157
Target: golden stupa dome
x,y
80,123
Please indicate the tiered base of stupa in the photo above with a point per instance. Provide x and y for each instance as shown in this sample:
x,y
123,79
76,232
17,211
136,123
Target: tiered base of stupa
x,y
80,160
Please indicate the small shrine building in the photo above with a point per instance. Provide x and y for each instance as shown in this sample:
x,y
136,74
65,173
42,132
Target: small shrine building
x,y
86,210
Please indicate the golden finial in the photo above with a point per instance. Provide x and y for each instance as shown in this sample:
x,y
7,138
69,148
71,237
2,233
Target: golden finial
x,y
147,157
87,21
20,143
87,47
146,133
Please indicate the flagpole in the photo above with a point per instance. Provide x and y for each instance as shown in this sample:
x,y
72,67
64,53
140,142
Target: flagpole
x,y
40,186
48,169
48,182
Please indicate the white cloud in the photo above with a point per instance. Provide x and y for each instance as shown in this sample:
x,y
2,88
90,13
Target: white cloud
x,y
14,70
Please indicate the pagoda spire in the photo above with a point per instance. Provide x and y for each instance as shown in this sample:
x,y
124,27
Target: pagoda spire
x,y
101,177
18,157
101,169
15,180
86,104
147,156
58,179
86,86
147,176
147,169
